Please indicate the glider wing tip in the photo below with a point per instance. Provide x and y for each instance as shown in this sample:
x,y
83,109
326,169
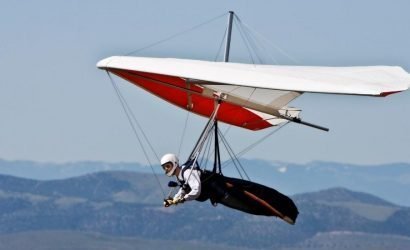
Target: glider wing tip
x,y
103,64
384,94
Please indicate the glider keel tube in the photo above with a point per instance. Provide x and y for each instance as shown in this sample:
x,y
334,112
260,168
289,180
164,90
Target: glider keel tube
x,y
265,109
298,120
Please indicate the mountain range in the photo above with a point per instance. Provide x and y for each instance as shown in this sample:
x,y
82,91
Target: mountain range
x,y
121,208
388,181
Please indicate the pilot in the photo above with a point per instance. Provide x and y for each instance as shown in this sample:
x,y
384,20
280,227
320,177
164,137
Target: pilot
x,y
188,178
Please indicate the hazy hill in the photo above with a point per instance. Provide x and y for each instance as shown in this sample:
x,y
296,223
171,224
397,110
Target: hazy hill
x,y
389,181
52,171
70,240
128,204
41,240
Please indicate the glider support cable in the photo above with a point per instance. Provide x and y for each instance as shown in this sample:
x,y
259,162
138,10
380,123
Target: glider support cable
x,y
134,119
247,42
206,153
251,146
175,35
130,116
234,158
267,41
205,133
220,46
183,133
257,46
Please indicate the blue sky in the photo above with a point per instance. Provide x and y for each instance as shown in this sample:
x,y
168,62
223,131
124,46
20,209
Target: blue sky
x,y
55,105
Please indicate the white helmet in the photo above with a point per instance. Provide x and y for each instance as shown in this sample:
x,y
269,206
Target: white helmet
x,y
170,158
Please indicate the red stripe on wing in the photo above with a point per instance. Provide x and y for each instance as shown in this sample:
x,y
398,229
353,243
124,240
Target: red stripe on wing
x,y
173,89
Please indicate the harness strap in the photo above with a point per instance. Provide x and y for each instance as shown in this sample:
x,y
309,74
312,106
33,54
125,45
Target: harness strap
x,y
185,167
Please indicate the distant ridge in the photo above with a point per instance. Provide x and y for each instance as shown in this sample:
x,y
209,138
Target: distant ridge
x,y
388,181
129,204
339,194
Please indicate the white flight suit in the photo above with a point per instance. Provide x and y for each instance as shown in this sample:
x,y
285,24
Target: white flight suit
x,y
193,181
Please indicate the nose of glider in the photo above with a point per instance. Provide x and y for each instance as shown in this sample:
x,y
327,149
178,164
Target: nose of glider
x,y
103,64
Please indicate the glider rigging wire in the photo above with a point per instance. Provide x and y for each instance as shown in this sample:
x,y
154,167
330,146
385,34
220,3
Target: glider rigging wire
x,y
183,134
206,153
251,146
175,35
231,153
256,34
245,42
132,121
220,45
250,44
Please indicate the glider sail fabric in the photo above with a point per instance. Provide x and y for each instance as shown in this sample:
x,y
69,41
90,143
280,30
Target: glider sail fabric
x,y
262,98
256,95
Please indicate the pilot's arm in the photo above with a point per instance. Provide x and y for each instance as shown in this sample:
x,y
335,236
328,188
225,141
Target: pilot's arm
x,y
194,182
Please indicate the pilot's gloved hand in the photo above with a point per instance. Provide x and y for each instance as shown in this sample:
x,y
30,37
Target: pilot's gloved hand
x,y
178,200
168,202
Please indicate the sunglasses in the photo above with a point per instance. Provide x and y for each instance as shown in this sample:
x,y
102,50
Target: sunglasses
x,y
167,165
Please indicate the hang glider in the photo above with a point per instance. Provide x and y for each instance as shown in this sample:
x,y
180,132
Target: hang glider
x,y
249,96
254,96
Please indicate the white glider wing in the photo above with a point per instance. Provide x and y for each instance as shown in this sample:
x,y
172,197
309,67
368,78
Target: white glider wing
x,y
257,94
